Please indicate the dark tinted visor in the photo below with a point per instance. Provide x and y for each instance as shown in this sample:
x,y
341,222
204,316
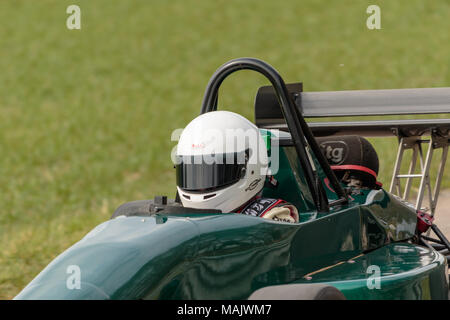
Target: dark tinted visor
x,y
196,173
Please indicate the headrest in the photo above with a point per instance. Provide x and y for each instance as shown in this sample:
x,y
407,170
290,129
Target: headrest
x,y
353,154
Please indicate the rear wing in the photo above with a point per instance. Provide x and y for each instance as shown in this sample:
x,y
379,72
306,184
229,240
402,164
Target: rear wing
x,y
357,103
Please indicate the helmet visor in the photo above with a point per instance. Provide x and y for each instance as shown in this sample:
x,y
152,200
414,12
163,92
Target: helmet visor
x,y
197,173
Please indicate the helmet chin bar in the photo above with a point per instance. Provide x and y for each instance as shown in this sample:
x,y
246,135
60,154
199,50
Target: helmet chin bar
x,y
300,132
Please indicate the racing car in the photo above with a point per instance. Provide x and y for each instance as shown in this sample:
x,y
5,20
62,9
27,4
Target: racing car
x,y
351,242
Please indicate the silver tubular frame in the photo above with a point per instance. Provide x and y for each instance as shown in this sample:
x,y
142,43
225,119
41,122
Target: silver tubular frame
x,y
415,143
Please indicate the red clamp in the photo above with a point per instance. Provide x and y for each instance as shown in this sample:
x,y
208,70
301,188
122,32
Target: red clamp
x,y
424,221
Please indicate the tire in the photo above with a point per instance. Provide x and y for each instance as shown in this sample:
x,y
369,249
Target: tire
x,y
298,292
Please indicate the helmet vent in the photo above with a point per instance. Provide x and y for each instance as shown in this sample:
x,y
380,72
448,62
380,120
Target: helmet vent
x,y
209,196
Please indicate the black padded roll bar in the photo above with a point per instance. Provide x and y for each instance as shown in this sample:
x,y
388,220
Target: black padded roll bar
x,y
296,124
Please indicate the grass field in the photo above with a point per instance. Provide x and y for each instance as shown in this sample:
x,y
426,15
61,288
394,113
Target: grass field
x,y
86,115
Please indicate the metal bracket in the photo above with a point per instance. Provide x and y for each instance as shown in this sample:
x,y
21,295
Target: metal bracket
x,y
415,143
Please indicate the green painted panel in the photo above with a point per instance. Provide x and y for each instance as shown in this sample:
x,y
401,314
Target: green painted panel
x,y
215,256
292,186
395,271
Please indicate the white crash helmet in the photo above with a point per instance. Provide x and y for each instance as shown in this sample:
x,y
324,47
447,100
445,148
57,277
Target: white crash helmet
x,y
221,162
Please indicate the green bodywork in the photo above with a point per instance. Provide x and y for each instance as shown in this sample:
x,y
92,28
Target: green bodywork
x,y
229,256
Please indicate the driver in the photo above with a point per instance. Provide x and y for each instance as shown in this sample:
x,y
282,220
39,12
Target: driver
x,y
222,163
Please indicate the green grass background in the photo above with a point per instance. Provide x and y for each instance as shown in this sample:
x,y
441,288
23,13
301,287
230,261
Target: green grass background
x,y
86,116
